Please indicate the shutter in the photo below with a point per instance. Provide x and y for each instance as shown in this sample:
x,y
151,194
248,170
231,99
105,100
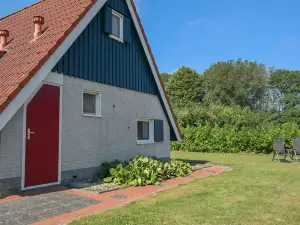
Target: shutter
x,y
127,30
158,130
108,20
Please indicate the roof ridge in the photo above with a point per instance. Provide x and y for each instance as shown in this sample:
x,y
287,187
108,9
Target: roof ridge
x,y
26,7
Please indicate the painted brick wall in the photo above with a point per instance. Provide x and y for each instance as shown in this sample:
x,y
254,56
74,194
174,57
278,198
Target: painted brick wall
x,y
11,147
87,142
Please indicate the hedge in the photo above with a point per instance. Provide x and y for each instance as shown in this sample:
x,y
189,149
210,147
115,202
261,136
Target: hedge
x,y
229,139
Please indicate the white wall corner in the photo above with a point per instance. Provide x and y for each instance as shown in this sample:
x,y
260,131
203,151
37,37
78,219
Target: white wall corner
x,y
55,78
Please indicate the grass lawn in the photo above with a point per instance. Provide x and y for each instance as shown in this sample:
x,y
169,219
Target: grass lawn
x,y
256,191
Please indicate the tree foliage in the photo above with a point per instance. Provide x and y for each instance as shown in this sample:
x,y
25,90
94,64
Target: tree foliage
x,y
236,83
185,87
165,77
286,85
235,106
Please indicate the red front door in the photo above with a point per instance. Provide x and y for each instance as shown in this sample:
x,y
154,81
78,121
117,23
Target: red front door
x,y
42,137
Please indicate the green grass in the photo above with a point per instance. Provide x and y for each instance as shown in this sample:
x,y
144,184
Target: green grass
x,y
256,191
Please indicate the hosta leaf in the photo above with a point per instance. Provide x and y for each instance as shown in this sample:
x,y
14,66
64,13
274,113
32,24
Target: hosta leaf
x,y
113,171
108,179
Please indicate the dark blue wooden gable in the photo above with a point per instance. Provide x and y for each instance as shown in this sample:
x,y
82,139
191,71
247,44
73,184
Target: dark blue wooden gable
x,y
96,57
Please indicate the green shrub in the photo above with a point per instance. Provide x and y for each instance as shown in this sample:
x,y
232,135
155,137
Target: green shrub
x,y
146,171
195,114
230,139
106,166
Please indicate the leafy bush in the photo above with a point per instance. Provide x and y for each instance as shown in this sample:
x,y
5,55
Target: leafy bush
x,y
291,115
230,139
106,166
146,171
195,114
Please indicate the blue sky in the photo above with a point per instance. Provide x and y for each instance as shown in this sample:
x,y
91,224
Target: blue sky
x,y
197,33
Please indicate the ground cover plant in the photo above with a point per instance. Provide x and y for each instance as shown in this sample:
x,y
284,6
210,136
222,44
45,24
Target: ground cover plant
x,y
142,171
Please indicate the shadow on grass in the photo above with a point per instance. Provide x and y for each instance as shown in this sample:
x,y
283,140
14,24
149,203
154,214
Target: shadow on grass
x,y
283,161
194,162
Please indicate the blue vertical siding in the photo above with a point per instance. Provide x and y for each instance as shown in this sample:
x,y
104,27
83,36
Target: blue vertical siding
x,y
96,57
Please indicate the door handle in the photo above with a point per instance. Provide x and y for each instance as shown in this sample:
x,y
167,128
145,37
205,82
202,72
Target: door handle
x,y
29,133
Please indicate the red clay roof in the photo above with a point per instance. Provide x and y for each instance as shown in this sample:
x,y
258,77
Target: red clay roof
x,y
25,56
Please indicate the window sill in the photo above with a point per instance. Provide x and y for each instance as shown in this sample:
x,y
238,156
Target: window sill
x,y
116,38
89,115
145,142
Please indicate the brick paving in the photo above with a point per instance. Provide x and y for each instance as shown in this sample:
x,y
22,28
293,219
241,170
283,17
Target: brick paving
x,y
64,206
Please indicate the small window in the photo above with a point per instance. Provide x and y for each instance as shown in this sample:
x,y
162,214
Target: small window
x,y
91,104
116,23
117,26
145,131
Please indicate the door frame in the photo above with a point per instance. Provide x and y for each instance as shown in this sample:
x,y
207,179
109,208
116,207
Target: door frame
x,y
59,84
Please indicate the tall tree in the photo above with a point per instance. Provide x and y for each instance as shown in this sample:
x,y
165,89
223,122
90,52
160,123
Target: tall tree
x,y
185,86
165,77
286,85
236,83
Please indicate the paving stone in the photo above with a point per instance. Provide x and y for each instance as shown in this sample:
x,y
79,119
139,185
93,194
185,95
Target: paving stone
x,y
4,220
211,171
119,196
31,209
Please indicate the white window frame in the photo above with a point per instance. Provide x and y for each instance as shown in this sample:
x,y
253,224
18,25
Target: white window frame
x,y
121,17
98,103
151,131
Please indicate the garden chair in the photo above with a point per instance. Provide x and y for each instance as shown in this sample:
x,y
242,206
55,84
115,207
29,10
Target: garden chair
x,y
279,149
296,148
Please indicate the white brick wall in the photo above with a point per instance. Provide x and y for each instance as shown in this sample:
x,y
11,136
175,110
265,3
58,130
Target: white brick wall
x,y
11,147
87,142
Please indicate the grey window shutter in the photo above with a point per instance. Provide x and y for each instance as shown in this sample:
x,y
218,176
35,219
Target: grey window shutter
x,y
158,130
127,30
108,20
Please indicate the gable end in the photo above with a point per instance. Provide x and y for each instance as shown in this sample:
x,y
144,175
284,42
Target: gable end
x,y
96,57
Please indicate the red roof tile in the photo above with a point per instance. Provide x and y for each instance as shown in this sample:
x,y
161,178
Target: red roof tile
x,y
25,57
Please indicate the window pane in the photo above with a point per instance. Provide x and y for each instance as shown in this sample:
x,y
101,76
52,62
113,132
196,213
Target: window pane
x,y
146,130
116,26
89,104
140,130
143,130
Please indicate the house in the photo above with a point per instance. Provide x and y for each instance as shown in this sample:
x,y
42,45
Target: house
x,y
78,87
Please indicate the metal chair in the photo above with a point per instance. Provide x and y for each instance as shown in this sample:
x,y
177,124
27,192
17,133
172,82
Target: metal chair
x,y
296,148
279,149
